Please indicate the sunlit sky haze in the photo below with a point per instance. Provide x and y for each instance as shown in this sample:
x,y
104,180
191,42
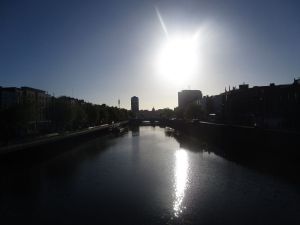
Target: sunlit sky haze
x,y
101,51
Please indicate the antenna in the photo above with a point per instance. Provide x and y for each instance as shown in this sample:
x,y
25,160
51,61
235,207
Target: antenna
x,y
119,102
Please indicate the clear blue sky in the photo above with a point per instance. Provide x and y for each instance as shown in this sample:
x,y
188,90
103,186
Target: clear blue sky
x,y
104,50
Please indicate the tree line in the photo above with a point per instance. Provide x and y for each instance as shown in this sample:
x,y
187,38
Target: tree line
x,y
60,114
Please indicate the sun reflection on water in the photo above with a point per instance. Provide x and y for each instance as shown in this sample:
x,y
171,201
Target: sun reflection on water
x,y
181,180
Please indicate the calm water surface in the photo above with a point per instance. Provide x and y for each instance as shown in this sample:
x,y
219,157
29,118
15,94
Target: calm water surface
x,y
143,177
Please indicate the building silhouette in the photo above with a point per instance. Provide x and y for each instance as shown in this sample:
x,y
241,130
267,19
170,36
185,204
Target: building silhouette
x,y
272,106
186,97
37,99
135,105
10,96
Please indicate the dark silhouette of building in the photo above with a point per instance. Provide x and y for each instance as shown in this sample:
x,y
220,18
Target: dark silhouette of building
x,y
135,105
37,99
10,96
273,106
186,97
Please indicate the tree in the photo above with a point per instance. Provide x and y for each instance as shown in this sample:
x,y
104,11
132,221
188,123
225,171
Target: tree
x,y
62,113
92,114
166,113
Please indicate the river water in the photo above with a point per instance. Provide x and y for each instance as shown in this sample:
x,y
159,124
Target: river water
x,y
143,177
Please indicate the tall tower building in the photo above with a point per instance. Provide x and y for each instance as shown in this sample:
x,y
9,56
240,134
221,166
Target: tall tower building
x,y
135,104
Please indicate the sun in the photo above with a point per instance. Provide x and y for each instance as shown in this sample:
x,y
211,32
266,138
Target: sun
x,y
178,60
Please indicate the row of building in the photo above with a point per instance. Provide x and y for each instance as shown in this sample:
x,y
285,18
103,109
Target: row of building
x,y
273,106
13,96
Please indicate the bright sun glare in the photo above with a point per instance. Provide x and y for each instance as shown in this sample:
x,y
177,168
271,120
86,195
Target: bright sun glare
x,y
178,59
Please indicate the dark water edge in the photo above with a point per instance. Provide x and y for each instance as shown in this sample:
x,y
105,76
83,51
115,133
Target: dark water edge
x,y
45,151
270,151
129,179
271,162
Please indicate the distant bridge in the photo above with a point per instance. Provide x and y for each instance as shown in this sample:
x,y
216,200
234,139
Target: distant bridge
x,y
148,121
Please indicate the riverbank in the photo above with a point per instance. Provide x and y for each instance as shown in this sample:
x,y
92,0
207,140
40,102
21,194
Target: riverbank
x,y
270,151
54,139
241,137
